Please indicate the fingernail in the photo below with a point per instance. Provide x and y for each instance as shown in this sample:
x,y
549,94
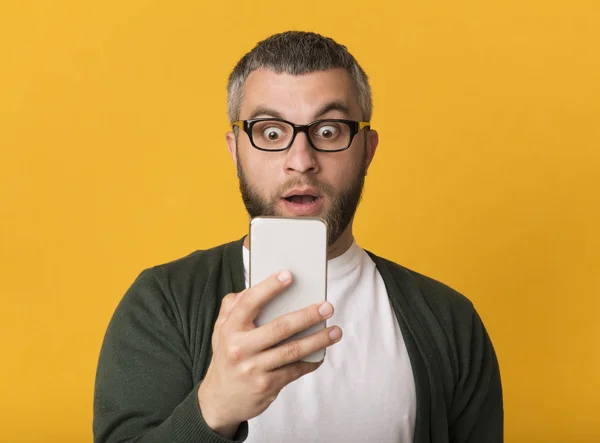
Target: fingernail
x,y
335,334
325,309
284,276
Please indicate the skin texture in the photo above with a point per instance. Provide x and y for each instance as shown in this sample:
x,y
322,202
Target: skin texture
x,y
246,373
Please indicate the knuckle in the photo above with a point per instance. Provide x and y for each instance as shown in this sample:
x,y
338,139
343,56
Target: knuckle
x,y
311,317
280,329
248,368
229,297
291,352
263,384
227,301
234,353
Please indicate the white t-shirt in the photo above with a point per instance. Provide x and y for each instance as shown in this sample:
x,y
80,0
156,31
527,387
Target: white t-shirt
x,y
365,390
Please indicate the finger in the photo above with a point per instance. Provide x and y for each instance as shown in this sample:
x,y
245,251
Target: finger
x,y
227,304
286,326
233,301
295,350
292,372
248,306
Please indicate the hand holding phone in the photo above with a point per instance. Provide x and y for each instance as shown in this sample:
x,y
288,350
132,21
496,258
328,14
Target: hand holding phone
x,y
247,369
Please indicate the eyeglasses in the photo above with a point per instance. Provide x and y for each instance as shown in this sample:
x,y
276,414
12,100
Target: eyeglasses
x,y
274,134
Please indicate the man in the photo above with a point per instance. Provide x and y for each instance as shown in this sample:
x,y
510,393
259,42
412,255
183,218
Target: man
x,y
183,361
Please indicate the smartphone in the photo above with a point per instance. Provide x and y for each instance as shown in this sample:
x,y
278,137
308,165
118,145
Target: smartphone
x,y
300,245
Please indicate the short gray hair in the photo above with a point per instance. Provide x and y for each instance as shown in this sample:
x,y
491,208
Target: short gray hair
x,y
297,53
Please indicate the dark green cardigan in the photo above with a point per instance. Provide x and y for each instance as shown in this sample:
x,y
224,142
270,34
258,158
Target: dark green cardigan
x,y
158,347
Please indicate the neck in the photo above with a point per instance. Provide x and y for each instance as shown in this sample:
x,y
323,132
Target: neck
x,y
341,245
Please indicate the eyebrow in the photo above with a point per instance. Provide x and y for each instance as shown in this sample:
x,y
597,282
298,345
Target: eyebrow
x,y
266,111
333,106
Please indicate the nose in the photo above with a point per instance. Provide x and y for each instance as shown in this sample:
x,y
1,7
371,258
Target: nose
x,y
301,157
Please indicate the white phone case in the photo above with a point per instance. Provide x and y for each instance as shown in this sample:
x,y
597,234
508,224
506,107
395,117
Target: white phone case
x,y
300,245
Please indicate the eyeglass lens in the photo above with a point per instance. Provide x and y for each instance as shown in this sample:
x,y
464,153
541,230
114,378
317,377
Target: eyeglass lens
x,y
325,135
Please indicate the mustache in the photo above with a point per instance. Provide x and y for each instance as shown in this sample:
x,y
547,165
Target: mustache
x,y
304,181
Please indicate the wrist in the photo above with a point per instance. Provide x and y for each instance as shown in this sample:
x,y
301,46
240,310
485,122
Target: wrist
x,y
214,420
227,431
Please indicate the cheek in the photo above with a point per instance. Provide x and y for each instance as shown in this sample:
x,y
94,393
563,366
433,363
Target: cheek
x,y
261,171
343,170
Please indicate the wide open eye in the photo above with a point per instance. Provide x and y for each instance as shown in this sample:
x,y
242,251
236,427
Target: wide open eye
x,y
272,133
327,131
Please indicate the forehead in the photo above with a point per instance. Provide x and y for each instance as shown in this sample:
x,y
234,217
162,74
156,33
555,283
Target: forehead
x,y
298,97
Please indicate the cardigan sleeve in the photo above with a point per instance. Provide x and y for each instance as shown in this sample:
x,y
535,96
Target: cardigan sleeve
x,y
144,389
476,415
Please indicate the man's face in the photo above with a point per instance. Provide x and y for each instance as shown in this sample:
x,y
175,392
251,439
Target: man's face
x,y
302,181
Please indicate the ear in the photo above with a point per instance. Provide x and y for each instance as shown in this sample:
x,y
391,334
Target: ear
x,y
231,146
372,142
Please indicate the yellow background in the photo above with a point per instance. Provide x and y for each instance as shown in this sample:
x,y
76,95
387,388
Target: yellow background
x,y
113,159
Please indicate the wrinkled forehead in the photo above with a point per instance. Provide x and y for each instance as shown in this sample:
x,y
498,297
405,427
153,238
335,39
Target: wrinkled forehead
x,y
300,98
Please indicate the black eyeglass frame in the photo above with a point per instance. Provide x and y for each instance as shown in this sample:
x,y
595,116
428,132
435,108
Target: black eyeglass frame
x,y
355,128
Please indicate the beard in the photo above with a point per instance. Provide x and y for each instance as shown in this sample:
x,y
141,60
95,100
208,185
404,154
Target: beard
x,y
338,216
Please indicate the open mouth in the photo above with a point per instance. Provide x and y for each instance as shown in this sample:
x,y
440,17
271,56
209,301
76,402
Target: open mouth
x,y
301,199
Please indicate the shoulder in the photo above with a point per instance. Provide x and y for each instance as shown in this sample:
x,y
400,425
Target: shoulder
x,y
439,297
185,280
201,260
